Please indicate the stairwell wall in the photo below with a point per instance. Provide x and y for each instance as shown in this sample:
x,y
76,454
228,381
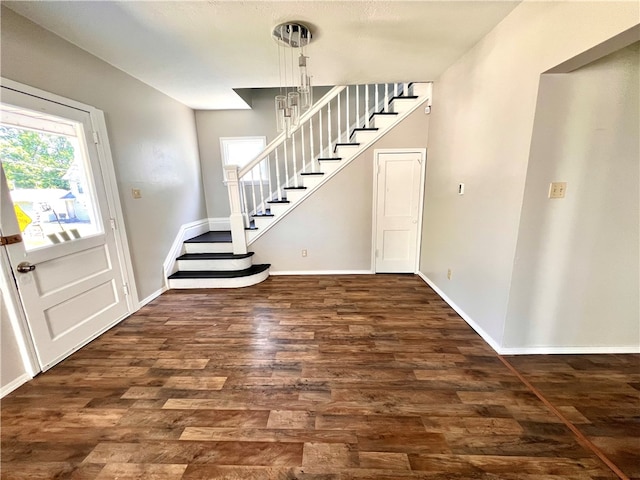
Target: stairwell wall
x,y
481,130
334,224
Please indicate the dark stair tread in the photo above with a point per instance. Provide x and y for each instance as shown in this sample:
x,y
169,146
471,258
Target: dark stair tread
x,y
382,113
312,173
335,149
221,273
363,129
252,226
214,256
400,97
223,236
295,188
262,215
284,200
329,159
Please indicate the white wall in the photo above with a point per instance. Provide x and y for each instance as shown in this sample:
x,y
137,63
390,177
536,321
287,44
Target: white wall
x,y
260,121
576,275
153,138
480,134
334,224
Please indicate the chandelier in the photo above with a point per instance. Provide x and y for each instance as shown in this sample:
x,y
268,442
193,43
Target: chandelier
x,y
296,96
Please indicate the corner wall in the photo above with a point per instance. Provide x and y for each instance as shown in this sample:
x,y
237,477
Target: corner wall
x,y
152,137
576,275
480,135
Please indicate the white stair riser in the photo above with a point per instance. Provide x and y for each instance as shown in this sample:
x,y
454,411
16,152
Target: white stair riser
x,y
294,195
262,222
236,282
208,247
225,265
279,208
346,152
421,89
402,105
364,136
383,121
312,180
330,166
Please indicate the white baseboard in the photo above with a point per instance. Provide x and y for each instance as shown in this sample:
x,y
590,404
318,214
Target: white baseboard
x,y
152,297
219,223
485,336
322,272
11,386
185,232
538,350
568,350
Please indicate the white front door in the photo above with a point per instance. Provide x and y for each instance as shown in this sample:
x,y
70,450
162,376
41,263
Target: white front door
x,y
68,267
397,206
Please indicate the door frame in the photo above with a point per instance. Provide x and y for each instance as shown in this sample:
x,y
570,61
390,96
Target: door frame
x,y
374,220
107,173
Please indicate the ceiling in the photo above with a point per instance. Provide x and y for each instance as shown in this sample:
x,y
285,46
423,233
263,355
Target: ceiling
x,y
199,51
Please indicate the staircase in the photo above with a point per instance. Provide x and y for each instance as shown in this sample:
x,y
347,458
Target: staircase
x,y
338,128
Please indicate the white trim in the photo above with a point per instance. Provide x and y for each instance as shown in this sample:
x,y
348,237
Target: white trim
x,y
233,282
219,223
374,209
485,336
185,232
152,297
11,386
569,350
322,272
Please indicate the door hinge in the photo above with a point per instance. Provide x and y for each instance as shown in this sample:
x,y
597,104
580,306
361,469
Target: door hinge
x,y
113,223
96,138
10,239
125,287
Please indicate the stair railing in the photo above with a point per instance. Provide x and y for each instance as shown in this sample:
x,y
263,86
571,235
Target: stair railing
x,y
279,166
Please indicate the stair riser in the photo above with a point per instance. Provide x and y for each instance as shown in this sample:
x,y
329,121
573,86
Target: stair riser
x,y
329,167
421,89
294,195
346,152
262,222
364,136
401,106
279,208
236,282
208,248
311,181
225,265
383,121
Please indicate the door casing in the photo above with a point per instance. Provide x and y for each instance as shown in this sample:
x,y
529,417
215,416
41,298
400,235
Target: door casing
x,y
374,221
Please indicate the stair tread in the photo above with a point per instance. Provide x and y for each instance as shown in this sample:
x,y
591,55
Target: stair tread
x,y
223,236
284,200
262,215
312,173
406,97
295,188
254,269
214,256
347,144
329,158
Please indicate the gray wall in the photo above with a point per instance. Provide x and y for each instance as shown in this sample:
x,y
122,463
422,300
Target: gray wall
x,y
153,137
334,224
480,134
575,280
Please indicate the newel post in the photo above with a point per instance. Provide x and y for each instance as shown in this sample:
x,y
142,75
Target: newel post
x,y
236,219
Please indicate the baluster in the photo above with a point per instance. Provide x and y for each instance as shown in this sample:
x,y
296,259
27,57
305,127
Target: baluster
x,y
243,193
357,106
329,129
321,129
405,89
377,99
313,164
366,106
339,119
386,96
269,179
347,122
302,145
286,164
253,191
395,89
278,176
295,160
261,185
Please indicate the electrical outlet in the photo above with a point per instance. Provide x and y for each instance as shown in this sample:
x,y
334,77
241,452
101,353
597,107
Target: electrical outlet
x,y
304,253
557,189
136,193
461,189
449,274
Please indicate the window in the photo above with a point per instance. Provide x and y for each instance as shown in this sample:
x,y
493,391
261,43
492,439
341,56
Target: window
x,y
240,151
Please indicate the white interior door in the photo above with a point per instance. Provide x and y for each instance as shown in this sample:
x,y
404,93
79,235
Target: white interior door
x,y
398,186
68,269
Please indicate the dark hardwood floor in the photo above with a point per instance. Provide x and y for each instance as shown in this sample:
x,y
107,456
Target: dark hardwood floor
x,y
316,378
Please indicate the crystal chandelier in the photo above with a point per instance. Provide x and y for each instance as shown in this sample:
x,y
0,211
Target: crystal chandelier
x,y
297,96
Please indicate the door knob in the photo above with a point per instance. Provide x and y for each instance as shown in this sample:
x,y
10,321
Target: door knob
x,y
25,267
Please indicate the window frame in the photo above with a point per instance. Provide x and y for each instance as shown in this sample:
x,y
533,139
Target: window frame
x,y
224,155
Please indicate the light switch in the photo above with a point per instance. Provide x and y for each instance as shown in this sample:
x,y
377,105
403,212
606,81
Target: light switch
x,y
461,189
136,193
557,189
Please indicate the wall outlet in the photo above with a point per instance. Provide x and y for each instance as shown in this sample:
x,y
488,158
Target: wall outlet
x,y
461,189
449,274
557,189
136,193
304,253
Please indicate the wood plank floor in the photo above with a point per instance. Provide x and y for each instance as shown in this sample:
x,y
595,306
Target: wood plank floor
x,y
314,378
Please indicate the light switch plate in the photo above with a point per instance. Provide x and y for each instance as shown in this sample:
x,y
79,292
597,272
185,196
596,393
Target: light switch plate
x,y
557,189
